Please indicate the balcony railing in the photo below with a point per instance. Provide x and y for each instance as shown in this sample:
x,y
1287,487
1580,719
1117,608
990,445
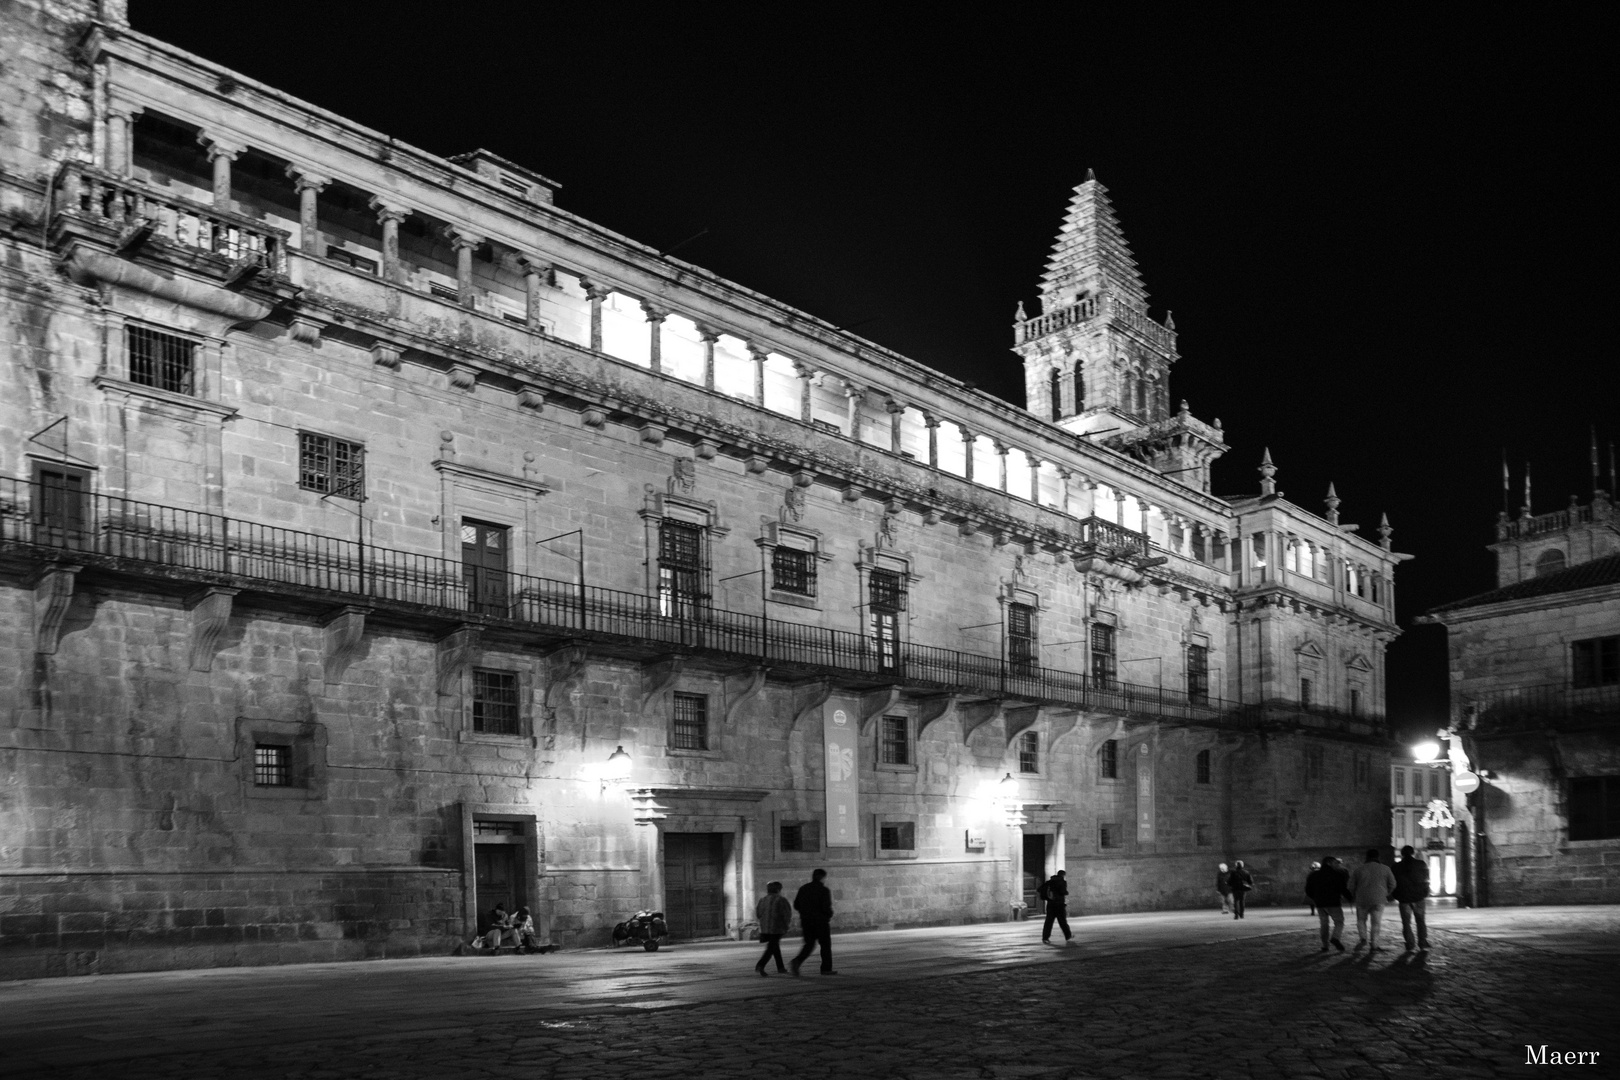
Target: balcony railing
x,y
1547,703
123,535
118,202
1107,538
1050,323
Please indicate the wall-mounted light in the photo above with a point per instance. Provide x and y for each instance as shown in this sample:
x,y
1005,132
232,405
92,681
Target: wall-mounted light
x,y
1426,753
617,769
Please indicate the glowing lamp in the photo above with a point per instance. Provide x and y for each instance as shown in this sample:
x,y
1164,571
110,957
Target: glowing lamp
x,y
617,769
1426,753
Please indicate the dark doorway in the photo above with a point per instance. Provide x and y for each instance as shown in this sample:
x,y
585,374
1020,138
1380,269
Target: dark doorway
x,y
483,566
694,877
59,509
1034,872
499,870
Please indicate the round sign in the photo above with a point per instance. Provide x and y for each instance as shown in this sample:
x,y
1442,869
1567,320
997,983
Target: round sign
x,y
840,717
1465,783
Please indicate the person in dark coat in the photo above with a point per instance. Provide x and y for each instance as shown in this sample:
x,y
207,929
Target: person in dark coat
x,y
1240,881
1328,887
1056,894
1412,894
813,902
775,917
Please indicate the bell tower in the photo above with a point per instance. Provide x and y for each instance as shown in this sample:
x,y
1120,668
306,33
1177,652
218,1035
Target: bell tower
x,y
1095,363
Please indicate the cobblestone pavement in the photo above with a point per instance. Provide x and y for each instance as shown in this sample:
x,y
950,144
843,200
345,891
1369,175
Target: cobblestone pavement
x,y
1165,995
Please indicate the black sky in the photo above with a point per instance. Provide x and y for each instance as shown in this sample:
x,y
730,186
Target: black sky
x,y
1380,233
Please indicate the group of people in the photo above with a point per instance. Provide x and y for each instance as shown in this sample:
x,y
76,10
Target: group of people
x,y
1233,886
1369,887
813,902
516,930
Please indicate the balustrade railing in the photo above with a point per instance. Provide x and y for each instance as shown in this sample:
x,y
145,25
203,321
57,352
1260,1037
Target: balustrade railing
x,y
1544,703
1556,521
96,195
1080,311
56,522
1112,539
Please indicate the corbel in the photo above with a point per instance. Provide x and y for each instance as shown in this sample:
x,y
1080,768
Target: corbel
x,y
875,704
52,594
757,463
343,634
658,676
210,614
934,708
1060,720
530,396
463,376
977,714
593,418
385,356
562,668
811,701
305,331
752,689
1020,720
454,654
653,434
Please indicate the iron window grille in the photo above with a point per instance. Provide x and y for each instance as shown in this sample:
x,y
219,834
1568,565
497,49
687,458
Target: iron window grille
x,y
1104,663
1198,672
793,571
1203,767
886,596
801,836
691,722
887,591
1304,693
897,836
164,361
1021,648
495,702
1108,836
1594,807
482,827
1108,760
682,572
331,466
1595,662
272,765
1029,752
896,743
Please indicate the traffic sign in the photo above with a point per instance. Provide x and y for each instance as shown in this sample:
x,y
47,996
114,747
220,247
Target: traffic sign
x,y
1465,782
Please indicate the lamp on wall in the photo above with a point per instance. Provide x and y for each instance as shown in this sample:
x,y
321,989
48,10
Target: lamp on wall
x,y
617,769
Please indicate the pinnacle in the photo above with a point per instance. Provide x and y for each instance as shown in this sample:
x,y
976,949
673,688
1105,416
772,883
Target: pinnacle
x,y
1091,252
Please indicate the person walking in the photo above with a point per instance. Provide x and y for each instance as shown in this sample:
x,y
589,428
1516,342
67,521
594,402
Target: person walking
x,y
1315,866
1056,894
775,917
1240,881
1328,887
1223,888
1371,884
813,902
1412,894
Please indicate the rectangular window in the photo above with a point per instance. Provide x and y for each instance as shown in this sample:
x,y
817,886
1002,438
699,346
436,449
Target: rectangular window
x,y
801,836
793,571
1304,693
1198,672
272,765
61,513
1313,763
1103,661
1400,825
1594,807
896,748
1021,648
886,597
1400,783
495,702
691,722
1355,702
682,570
1203,766
897,836
1029,752
1108,760
1108,836
1595,662
165,361
349,259
331,466
1204,835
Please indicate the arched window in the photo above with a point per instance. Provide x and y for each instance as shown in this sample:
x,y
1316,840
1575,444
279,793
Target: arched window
x,y
1550,562
1079,390
1057,395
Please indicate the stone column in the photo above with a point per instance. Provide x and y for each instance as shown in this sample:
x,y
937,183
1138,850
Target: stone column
x,y
1002,450
807,378
759,353
596,294
708,336
1064,476
389,215
655,331
897,411
464,243
967,446
932,423
1059,849
308,185
221,154
534,276
121,137
853,396
745,875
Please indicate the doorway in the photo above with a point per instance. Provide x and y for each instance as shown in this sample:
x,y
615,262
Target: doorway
x,y
484,566
499,878
1034,872
694,880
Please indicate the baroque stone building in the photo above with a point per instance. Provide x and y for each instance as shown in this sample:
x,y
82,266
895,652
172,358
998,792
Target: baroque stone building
x,y
379,540
1535,701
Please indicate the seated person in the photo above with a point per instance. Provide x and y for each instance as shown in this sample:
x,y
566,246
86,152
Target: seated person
x,y
500,929
523,931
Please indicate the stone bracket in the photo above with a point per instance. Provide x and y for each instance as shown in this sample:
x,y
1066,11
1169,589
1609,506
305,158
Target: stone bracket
x,y
210,614
454,654
52,594
875,704
753,689
1060,720
932,709
811,701
1020,719
658,676
344,631
562,668
977,714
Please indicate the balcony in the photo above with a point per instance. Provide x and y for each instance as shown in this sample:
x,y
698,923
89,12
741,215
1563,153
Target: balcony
x,y
1545,705
126,539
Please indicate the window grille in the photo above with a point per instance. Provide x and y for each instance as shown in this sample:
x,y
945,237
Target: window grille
x,y
793,571
1203,766
272,765
1103,661
331,466
1198,672
1029,752
691,722
1108,836
888,591
496,828
896,748
1595,662
165,361
351,260
495,702
1108,760
801,836
1400,783
1021,647
897,836
681,569
1304,693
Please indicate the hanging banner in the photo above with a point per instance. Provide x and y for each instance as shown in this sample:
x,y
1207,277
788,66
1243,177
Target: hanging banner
x,y
1144,795
843,784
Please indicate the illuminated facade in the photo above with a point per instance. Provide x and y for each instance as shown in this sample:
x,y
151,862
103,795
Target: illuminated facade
x,y
381,540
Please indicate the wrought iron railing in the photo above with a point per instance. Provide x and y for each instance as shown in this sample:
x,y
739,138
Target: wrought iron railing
x,y
56,522
1544,703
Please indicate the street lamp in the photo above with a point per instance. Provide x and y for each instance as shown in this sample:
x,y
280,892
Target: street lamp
x,y
1427,753
617,769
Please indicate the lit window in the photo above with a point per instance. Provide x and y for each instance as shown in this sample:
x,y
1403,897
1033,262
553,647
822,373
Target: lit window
x,y
691,722
1029,752
896,748
682,573
886,599
272,765
331,466
495,702
164,361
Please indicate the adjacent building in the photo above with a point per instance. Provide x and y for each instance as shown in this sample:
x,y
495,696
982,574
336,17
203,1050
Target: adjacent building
x,y
379,541
1535,701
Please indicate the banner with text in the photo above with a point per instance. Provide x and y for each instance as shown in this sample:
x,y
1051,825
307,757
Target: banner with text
x,y
843,783
1144,795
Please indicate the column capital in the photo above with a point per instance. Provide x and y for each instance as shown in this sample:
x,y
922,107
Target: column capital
x,y
853,391
931,421
123,110
894,407
388,211
802,369
305,180
707,334
967,436
761,352
462,238
220,148
1001,447
593,291
654,313
531,265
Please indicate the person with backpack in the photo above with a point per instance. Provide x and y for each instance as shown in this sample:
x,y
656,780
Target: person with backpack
x,y
1054,892
1412,894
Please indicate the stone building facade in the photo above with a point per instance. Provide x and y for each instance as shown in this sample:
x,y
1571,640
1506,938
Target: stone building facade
x,y
1535,701
379,540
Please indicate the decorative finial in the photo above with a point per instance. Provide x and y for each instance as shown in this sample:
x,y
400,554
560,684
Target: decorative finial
x,y
1268,486
1090,175
1383,531
1183,412
1332,504
1021,317
1169,320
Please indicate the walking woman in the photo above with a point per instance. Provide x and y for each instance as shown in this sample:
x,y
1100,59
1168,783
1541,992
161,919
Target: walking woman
x,y
775,917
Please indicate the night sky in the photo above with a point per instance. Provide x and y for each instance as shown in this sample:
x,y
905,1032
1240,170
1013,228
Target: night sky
x,y
1380,234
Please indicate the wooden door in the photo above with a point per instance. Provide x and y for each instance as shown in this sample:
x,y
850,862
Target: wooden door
x,y
694,878
484,566
499,878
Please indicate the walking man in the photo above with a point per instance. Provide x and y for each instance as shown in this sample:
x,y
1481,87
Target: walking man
x,y
1224,889
1371,884
1240,881
775,917
1328,887
814,905
1056,894
1412,894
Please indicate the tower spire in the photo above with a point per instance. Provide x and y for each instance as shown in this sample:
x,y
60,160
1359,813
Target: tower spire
x,y
1090,254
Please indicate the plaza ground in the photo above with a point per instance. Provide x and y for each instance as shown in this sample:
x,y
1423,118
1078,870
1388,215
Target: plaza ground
x,y
1168,994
